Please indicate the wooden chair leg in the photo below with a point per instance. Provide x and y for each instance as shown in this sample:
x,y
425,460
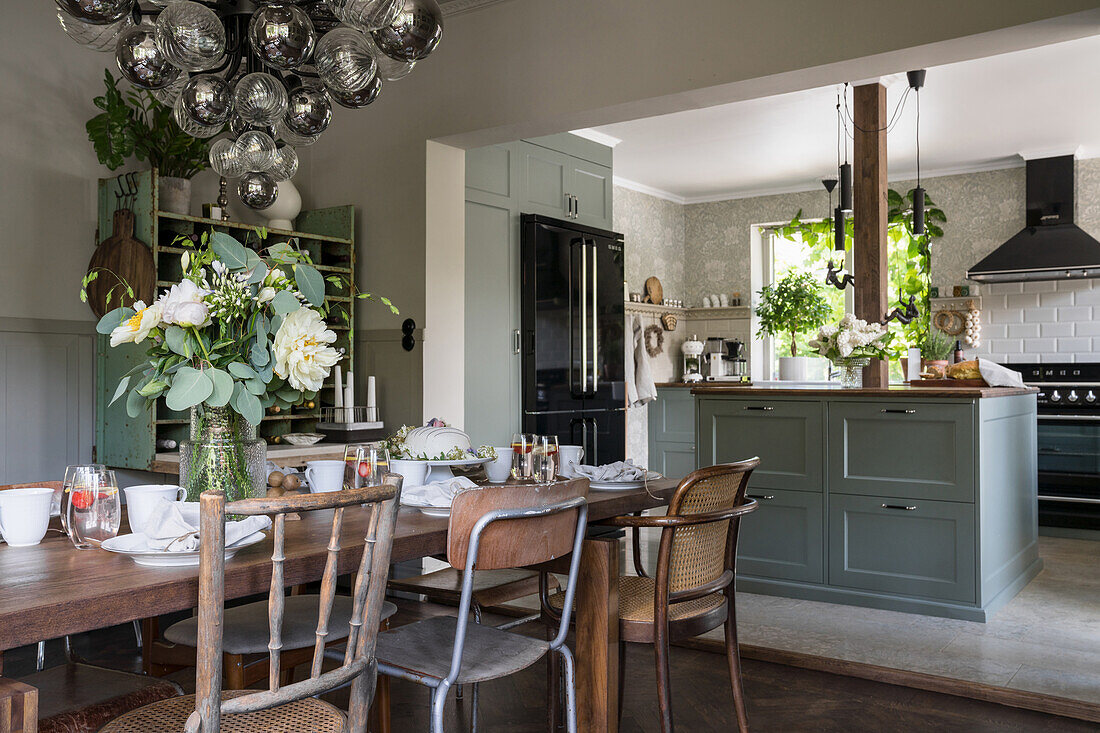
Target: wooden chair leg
x,y
733,656
380,710
622,666
664,681
234,672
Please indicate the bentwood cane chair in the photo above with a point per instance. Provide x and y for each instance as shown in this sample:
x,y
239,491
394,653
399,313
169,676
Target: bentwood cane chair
x,y
693,591
293,707
491,528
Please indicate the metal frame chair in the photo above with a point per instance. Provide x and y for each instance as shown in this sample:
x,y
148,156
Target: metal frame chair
x,y
527,511
293,704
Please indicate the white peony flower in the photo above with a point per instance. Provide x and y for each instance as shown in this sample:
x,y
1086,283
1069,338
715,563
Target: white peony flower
x,y
138,326
265,294
183,305
302,354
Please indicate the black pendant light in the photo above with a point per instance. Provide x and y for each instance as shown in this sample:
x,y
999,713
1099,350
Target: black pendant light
x,y
916,81
838,215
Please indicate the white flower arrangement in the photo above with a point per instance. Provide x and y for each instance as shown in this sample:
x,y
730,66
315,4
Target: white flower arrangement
x,y
851,338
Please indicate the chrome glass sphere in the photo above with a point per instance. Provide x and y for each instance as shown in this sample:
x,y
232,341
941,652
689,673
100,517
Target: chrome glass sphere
x,y
140,59
360,98
414,33
282,36
256,150
290,137
258,190
191,35
260,98
225,160
169,94
96,12
286,164
344,61
390,69
309,110
190,126
238,127
207,99
94,36
366,15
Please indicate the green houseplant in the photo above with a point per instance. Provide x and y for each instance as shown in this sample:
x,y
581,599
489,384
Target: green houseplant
x,y
793,306
135,124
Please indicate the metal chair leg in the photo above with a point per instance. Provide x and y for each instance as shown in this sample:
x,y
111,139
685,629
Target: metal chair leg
x,y
570,690
40,658
439,699
473,715
137,634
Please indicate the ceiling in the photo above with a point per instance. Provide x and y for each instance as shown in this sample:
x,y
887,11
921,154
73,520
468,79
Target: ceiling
x,y
975,115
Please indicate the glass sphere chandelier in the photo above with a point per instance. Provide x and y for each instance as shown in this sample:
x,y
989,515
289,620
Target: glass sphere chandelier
x,y
262,75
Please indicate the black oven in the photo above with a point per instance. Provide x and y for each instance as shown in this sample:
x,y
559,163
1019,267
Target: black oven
x,y
1068,443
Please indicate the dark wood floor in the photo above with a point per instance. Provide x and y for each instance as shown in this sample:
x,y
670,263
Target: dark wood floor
x,y
780,698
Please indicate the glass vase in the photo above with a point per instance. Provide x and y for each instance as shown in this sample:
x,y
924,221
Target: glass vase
x,y
223,453
851,372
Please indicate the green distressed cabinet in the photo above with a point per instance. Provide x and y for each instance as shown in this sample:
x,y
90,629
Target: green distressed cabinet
x,y
125,442
918,504
567,177
672,432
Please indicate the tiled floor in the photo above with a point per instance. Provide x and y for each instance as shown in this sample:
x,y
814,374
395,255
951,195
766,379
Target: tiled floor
x,y
1045,640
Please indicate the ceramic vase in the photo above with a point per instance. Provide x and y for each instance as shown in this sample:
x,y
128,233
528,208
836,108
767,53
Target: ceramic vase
x,y
287,206
174,195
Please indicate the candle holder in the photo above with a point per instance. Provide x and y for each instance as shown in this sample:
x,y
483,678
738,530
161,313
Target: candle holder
x,y
351,424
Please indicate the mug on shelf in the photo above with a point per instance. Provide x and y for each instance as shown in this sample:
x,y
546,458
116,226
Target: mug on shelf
x,y
325,476
25,515
140,501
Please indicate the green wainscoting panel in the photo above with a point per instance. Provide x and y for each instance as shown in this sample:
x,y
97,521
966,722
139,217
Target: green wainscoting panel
x,y
672,416
917,448
914,547
788,436
784,537
674,460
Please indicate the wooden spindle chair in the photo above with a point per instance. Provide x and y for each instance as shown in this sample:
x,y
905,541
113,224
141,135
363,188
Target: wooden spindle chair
x,y
293,706
693,590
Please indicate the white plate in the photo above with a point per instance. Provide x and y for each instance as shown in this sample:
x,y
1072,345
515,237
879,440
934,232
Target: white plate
x,y
162,559
622,485
435,511
461,462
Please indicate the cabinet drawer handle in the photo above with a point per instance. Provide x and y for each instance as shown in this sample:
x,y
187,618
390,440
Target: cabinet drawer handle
x,y
902,507
760,408
898,412
765,497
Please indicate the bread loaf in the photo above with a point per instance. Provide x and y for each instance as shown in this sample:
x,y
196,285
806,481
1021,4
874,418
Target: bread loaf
x,y
964,370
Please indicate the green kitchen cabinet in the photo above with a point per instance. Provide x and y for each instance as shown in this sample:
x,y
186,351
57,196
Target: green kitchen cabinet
x,y
787,435
567,178
671,430
914,547
784,537
914,448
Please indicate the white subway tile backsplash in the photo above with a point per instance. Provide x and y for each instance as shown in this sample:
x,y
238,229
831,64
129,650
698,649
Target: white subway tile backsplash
x,y
1074,345
1090,358
1029,300
1038,346
1087,297
1043,286
1054,330
1000,331
1087,328
1056,299
1006,316
1009,346
1039,315
1001,288
1020,330
1075,313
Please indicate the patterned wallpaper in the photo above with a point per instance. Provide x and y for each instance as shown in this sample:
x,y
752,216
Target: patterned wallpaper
x,y
654,232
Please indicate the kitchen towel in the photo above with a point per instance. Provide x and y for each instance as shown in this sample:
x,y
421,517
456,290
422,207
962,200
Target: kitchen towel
x,y
174,527
996,375
640,388
437,494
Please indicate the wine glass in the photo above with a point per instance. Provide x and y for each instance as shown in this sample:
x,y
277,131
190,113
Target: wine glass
x,y
71,472
545,456
95,508
523,446
365,464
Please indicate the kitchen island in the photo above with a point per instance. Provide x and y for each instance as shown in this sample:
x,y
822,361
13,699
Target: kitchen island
x,y
904,498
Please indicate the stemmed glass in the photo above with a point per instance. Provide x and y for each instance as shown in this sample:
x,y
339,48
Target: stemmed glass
x,y
365,464
523,464
545,458
95,508
71,472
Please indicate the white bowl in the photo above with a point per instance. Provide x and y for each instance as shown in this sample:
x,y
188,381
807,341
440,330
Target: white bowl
x,y
303,438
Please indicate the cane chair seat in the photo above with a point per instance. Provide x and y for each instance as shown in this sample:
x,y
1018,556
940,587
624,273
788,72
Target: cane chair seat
x,y
636,602
245,629
424,648
307,714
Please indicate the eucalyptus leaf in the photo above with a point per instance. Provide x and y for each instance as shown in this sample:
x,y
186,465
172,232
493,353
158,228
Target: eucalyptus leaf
x,y
119,390
112,320
267,400
240,370
284,303
223,388
189,388
289,394
135,403
255,386
259,355
152,388
248,405
177,341
275,325
310,282
259,272
268,372
231,252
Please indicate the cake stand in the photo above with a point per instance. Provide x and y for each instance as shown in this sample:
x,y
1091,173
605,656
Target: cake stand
x,y
441,470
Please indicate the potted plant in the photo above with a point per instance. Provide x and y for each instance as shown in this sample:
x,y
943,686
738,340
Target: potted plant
x,y
135,124
792,306
850,345
935,350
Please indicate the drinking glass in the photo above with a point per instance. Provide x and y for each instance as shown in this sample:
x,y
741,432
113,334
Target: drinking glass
x,y
71,472
95,508
365,464
545,458
523,465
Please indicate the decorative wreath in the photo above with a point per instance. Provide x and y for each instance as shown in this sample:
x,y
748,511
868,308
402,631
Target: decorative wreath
x,y
950,322
654,332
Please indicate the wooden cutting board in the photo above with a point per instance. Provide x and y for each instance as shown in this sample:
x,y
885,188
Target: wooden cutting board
x,y
654,293
121,256
948,383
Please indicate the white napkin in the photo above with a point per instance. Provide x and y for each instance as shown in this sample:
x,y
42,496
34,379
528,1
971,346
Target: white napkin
x,y
174,527
618,471
437,494
996,375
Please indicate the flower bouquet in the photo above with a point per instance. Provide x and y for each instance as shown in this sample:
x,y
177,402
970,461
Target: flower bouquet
x,y
239,333
850,345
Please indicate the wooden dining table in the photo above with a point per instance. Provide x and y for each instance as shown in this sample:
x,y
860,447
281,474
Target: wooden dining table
x,y
53,589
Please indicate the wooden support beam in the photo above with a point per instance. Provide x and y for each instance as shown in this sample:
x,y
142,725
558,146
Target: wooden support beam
x,y
870,214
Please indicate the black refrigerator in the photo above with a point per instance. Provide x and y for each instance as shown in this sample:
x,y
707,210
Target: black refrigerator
x,y
573,336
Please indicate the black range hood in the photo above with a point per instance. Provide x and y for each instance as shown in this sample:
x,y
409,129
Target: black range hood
x,y
1051,246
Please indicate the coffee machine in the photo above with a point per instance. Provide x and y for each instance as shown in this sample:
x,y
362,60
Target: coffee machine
x,y
736,365
714,359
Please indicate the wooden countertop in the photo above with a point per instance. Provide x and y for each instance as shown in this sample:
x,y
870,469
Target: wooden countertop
x,y
899,391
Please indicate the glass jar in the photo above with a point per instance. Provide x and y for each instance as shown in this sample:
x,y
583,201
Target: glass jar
x,y
851,372
223,453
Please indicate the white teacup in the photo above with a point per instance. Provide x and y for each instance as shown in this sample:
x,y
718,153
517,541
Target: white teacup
x,y
500,468
414,472
25,515
140,501
325,476
570,454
